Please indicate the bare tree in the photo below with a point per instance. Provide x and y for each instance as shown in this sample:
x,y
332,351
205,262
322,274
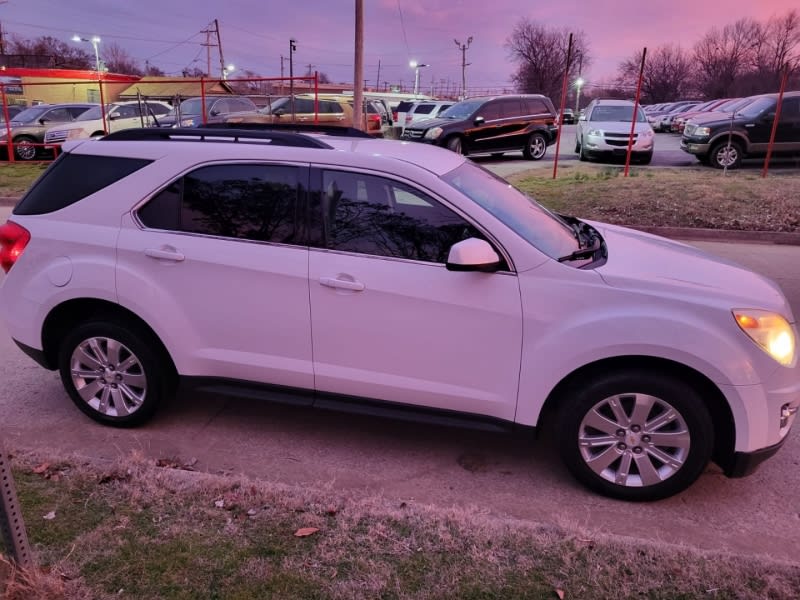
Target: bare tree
x,y
119,60
668,74
541,54
778,46
722,56
61,54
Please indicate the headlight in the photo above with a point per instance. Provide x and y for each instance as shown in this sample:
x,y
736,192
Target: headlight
x,y
702,131
187,122
75,133
770,331
433,133
647,133
595,132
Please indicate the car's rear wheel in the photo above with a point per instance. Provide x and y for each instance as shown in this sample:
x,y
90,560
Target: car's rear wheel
x,y
726,155
635,435
455,144
535,147
112,373
24,148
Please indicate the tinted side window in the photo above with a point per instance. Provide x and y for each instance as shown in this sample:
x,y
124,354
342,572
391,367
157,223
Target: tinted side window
x,y
303,105
57,114
252,202
66,181
790,110
154,108
76,111
534,106
424,109
510,108
381,217
490,111
126,111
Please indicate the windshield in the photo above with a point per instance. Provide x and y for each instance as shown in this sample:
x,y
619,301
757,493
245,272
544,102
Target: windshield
x,y
616,113
30,115
756,107
461,110
523,215
275,105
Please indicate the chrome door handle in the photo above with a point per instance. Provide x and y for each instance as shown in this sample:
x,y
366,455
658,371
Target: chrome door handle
x,y
342,284
164,254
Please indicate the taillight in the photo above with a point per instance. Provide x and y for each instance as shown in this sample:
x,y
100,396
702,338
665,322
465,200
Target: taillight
x,y
13,240
394,115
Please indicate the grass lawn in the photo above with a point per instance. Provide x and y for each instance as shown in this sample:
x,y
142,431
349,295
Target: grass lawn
x,y
670,197
134,530
16,178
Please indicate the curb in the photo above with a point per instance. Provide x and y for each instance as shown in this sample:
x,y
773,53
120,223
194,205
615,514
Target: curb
x,y
784,238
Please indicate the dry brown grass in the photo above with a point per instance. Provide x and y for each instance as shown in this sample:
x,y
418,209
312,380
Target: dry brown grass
x,y
28,584
164,533
686,197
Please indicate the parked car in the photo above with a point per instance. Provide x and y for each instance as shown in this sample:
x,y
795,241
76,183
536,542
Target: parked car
x,y
606,129
326,109
428,109
655,116
493,124
29,126
189,113
679,122
119,115
724,140
13,111
567,116
434,289
664,122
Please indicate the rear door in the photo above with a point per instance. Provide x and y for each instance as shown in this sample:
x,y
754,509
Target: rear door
x,y
787,136
217,263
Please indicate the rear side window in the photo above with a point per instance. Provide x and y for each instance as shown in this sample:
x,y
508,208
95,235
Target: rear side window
x,y
424,109
404,106
250,202
73,177
536,106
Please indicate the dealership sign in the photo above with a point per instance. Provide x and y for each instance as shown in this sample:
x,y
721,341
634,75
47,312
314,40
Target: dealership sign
x,y
12,85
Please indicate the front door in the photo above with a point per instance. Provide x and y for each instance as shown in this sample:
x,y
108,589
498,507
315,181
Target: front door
x,y
389,321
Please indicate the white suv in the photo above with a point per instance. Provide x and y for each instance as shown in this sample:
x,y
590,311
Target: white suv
x,y
355,273
119,116
604,130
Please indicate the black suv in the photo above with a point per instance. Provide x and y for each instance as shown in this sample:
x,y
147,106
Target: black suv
x,y
493,124
723,140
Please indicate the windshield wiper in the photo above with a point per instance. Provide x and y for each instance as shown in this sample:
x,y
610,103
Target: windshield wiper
x,y
590,242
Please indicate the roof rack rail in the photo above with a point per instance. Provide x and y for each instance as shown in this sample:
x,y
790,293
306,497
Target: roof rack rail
x,y
333,130
216,134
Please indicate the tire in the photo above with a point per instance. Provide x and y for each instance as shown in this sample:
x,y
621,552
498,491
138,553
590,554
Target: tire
x,y
24,148
724,154
577,146
133,383
536,147
582,156
455,144
619,457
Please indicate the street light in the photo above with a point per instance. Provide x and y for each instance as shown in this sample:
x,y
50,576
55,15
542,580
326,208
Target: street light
x,y
578,85
416,66
226,70
94,41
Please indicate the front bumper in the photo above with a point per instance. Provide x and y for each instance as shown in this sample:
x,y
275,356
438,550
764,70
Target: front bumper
x,y
694,146
746,463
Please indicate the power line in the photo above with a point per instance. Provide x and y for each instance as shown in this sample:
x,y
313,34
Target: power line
x,y
403,27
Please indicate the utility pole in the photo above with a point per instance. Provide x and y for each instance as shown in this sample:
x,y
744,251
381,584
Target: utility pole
x,y
358,70
219,45
282,58
292,50
208,45
463,48
378,80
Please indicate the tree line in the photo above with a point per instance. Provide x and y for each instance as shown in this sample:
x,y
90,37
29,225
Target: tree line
x,y
740,59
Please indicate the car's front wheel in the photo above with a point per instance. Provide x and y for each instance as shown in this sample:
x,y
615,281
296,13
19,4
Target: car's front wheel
x,y
455,144
113,373
727,155
535,147
635,435
24,148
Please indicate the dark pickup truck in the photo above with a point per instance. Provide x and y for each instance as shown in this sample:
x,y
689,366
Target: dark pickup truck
x,y
723,140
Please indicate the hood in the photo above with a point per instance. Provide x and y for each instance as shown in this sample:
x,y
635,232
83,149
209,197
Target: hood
x,y
712,117
656,265
435,122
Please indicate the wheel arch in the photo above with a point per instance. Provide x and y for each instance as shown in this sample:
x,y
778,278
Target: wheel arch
x,y
735,136
715,402
61,318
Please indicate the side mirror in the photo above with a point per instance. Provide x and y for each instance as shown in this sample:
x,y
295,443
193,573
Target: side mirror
x,y
280,112
214,113
473,254
113,117
479,120
42,121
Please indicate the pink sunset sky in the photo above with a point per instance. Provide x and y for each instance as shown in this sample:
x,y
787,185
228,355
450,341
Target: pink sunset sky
x,y
255,33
